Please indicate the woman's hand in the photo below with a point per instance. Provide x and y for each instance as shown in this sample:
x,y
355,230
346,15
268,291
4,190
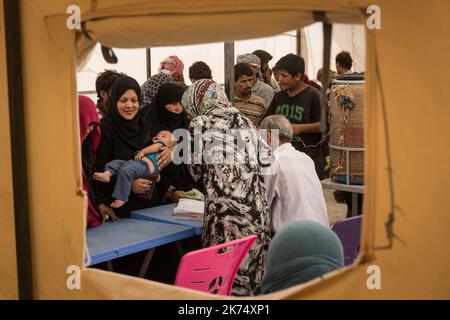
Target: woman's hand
x,y
177,195
139,155
140,186
164,158
107,212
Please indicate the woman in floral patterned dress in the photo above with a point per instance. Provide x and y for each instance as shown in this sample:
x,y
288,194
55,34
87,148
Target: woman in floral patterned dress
x,y
235,203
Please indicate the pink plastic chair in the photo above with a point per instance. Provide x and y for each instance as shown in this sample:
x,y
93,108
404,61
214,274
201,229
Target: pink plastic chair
x,y
213,269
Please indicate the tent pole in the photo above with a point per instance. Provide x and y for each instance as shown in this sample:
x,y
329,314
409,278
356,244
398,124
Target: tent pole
x,y
18,147
327,30
229,69
299,42
148,55
302,47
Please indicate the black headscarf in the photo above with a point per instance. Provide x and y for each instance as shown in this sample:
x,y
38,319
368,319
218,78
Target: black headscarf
x,y
158,118
128,131
120,139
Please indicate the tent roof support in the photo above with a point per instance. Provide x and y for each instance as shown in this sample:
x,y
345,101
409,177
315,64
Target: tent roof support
x,y
18,147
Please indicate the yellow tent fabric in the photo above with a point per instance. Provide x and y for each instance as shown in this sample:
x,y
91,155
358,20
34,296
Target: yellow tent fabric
x,y
201,21
411,53
8,274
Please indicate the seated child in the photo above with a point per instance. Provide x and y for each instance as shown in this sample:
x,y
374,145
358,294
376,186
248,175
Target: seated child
x,y
144,163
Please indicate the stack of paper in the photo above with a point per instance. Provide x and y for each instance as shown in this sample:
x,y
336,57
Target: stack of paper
x,y
189,209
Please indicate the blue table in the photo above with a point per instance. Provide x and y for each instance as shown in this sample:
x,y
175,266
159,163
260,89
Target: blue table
x,y
164,214
126,236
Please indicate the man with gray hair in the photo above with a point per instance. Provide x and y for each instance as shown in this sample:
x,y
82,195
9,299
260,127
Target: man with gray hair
x,y
293,189
260,88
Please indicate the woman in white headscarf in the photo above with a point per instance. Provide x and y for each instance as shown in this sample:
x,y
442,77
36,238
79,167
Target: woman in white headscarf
x,y
173,66
235,203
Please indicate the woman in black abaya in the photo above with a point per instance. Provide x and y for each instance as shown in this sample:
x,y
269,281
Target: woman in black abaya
x,y
166,113
124,133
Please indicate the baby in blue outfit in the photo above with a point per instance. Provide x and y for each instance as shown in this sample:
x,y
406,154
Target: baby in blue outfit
x,y
144,163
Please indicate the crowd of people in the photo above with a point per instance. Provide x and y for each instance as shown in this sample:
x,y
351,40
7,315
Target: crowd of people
x,y
128,150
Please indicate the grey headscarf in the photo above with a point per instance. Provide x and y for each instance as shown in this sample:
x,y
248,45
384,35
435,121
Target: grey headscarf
x,y
301,251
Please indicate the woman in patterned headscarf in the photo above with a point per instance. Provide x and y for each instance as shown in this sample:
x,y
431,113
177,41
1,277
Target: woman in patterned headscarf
x,y
173,66
150,87
235,203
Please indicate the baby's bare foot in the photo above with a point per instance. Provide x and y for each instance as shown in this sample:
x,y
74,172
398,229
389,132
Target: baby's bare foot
x,y
102,176
117,203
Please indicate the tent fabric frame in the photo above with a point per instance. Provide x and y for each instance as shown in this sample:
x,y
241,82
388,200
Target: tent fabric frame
x,y
415,118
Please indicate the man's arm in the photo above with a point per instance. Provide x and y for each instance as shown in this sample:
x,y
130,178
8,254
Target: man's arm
x,y
306,128
270,110
267,94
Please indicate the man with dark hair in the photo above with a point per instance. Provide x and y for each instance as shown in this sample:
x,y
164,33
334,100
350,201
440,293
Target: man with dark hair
x,y
344,62
265,57
247,103
300,103
199,70
103,86
260,88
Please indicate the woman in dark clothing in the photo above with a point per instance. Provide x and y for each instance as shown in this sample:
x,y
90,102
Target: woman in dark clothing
x,y
90,139
166,113
124,133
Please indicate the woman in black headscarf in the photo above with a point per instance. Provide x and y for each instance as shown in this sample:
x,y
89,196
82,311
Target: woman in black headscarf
x,y
124,133
166,113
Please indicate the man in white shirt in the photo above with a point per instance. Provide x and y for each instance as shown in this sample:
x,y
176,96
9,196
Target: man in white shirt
x,y
293,189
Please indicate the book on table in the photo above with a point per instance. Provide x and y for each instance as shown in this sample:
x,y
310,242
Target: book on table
x,y
188,209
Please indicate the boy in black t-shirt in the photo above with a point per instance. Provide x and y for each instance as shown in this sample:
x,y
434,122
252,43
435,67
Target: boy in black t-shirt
x,y
300,103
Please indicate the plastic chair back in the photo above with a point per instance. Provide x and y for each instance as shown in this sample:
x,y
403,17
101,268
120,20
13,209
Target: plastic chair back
x,y
213,269
349,232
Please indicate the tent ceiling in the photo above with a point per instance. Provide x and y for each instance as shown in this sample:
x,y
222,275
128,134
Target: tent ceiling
x,y
141,24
